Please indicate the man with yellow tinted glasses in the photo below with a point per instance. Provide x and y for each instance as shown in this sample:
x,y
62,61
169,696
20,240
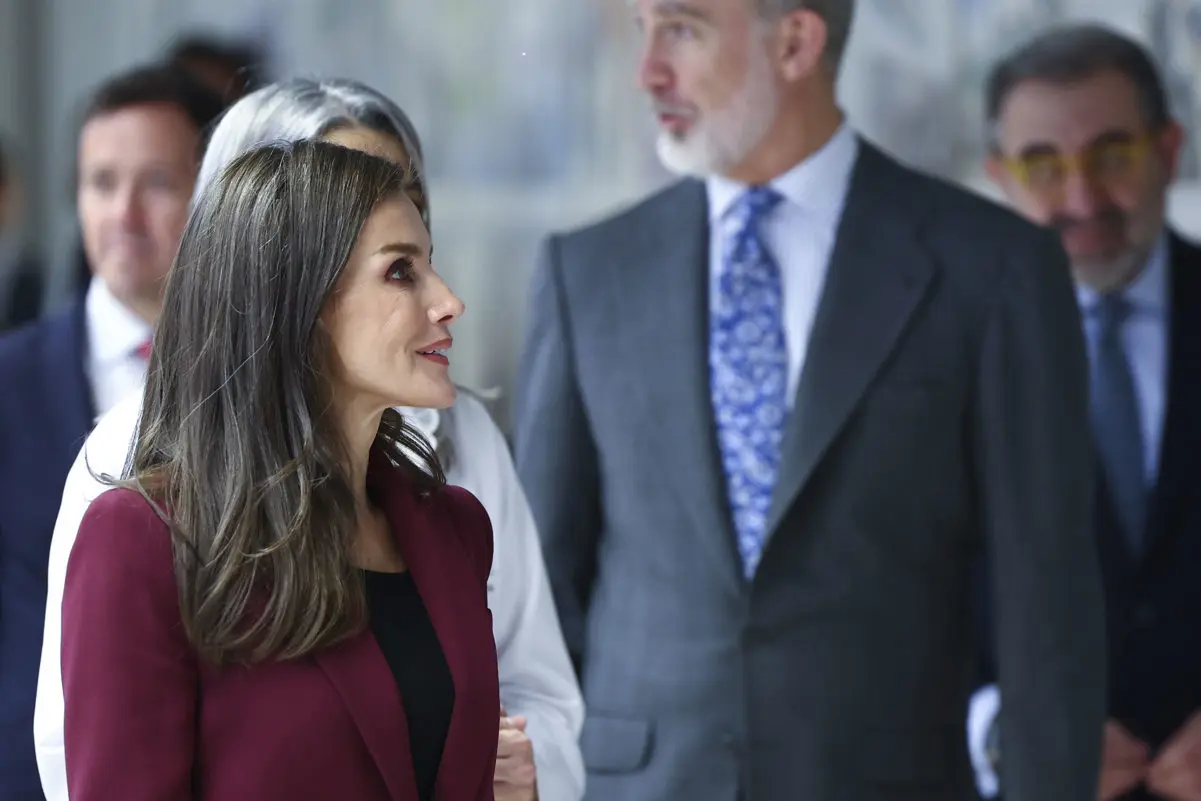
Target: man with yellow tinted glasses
x,y
1082,140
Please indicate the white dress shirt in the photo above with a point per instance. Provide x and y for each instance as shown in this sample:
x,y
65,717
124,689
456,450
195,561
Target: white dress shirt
x,y
536,676
1145,338
114,333
799,233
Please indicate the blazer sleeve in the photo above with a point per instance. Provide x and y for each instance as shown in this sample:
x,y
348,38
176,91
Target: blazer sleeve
x,y
1035,477
130,676
555,453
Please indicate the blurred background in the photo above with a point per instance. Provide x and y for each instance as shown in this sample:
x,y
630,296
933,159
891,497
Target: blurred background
x,y
528,109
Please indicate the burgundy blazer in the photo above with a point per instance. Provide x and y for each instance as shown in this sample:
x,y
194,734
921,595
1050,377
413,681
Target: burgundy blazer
x,y
145,720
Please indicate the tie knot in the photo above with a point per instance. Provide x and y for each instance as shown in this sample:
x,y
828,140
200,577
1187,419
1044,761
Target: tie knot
x,y
753,204
1111,310
143,350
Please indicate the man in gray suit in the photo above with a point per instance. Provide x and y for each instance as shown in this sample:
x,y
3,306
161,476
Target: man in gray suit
x,y
769,420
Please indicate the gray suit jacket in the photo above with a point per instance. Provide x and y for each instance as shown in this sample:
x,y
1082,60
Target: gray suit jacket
x,y
941,411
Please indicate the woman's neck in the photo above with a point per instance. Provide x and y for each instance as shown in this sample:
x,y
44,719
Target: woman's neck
x,y
359,432
374,547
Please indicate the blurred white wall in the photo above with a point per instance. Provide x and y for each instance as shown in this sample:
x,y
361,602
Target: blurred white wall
x,y
528,107
22,38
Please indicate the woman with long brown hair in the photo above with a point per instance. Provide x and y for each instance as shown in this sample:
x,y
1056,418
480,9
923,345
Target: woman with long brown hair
x,y
542,709
283,600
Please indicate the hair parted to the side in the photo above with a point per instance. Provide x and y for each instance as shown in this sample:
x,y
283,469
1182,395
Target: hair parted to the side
x,y
155,84
1072,52
238,446
303,108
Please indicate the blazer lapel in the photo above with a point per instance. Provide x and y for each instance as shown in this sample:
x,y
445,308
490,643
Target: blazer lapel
x,y
358,670
427,540
362,676
668,259
878,273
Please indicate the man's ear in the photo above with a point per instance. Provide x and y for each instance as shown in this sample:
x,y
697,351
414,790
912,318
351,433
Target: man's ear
x,y
800,44
1167,144
994,169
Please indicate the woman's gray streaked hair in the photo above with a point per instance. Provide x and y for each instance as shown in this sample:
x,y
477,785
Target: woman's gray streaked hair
x,y
238,447
303,108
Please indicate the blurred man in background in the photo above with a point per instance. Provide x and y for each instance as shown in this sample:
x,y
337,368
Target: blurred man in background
x,y
1083,142
139,147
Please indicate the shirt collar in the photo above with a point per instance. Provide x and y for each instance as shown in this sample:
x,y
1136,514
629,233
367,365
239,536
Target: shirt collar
x,y
1148,293
114,332
817,184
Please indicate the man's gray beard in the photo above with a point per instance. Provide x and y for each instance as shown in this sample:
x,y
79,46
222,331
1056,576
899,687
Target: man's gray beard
x,y
731,133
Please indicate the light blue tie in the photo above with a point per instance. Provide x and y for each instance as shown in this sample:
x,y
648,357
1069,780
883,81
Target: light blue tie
x,y
1117,425
748,368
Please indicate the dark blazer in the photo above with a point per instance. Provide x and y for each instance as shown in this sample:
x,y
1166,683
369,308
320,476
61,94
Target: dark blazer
x,y
942,411
146,720
46,411
1153,602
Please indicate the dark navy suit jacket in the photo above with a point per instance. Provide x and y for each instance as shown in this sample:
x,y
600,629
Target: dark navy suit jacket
x,y
1153,602
46,411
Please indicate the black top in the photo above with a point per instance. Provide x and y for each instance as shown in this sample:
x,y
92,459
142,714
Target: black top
x,y
406,636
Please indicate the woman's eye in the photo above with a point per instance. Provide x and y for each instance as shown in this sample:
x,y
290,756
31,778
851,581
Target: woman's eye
x,y
401,270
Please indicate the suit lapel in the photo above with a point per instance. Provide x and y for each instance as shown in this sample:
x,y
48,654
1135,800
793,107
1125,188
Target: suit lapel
x,y
66,390
1118,562
1180,451
878,273
667,257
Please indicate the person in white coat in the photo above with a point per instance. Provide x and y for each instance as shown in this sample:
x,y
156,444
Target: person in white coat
x,y
538,755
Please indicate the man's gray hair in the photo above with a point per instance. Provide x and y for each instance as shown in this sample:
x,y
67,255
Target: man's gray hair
x,y
301,108
837,14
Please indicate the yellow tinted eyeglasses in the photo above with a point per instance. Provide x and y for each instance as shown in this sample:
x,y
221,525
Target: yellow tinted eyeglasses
x,y
1108,162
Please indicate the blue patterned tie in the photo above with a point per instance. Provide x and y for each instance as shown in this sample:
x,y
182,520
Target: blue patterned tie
x,y
748,368
1117,426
